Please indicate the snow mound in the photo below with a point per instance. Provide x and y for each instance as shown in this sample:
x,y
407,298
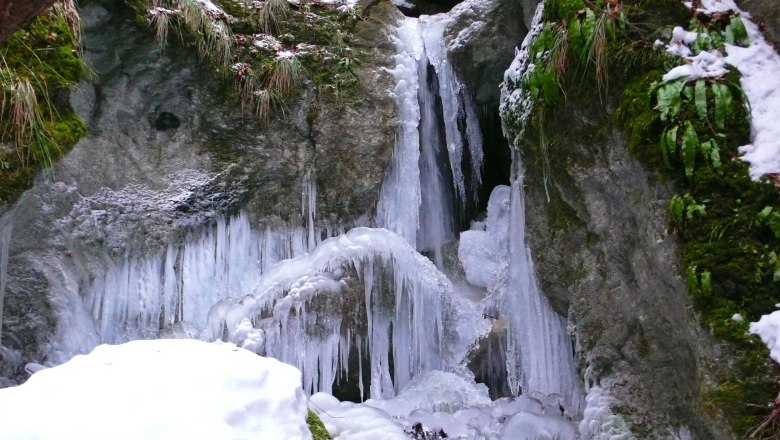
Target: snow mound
x,y
759,65
768,329
158,389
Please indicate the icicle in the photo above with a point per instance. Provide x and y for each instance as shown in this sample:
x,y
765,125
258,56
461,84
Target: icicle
x,y
400,198
424,158
404,296
457,106
436,211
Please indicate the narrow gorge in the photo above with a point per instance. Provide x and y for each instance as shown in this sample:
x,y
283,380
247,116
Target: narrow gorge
x,y
453,219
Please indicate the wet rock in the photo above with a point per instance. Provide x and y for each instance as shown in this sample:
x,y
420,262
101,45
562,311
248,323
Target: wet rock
x,y
169,151
767,14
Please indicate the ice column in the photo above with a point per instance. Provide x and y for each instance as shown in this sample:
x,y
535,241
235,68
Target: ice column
x,y
399,203
426,189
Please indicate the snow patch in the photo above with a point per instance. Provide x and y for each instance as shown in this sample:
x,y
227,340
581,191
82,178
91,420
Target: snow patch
x,y
768,329
160,389
759,64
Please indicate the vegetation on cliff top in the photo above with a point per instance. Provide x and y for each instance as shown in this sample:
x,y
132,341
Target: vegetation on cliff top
x,y
266,49
37,125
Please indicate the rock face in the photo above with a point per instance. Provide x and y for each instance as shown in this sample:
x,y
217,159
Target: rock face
x,y
767,13
596,224
482,41
168,151
604,255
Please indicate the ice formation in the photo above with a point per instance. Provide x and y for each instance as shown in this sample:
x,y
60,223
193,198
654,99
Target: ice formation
x,y
147,390
539,351
399,204
310,310
317,297
598,422
138,297
437,402
423,158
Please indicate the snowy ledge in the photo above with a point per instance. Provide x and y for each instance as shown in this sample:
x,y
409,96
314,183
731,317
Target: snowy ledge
x,y
159,390
759,65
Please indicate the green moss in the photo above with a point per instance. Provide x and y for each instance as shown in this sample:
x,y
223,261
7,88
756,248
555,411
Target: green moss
x,y
728,242
317,428
642,344
46,54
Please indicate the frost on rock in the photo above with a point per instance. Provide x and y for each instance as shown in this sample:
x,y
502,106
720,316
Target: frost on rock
x,y
366,290
516,104
598,422
768,329
145,390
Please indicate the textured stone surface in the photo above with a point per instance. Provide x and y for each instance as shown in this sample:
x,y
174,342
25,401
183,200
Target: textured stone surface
x,y
604,256
482,40
767,13
169,150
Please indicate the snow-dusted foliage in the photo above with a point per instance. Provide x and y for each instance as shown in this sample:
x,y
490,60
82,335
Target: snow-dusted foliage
x,y
758,63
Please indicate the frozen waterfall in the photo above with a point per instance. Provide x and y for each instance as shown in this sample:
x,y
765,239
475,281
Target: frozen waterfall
x,y
439,137
324,298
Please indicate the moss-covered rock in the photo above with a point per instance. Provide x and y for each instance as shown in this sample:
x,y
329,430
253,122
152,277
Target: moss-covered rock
x,y
317,428
46,55
627,302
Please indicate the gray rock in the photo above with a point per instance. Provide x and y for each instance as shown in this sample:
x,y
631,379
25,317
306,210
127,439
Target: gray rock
x,y
482,39
604,257
169,150
767,14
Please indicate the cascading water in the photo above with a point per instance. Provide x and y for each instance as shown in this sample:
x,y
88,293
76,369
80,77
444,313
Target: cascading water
x,y
284,292
439,136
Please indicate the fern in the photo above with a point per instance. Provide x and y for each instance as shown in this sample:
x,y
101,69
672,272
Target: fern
x,y
724,103
690,143
669,144
669,100
701,99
